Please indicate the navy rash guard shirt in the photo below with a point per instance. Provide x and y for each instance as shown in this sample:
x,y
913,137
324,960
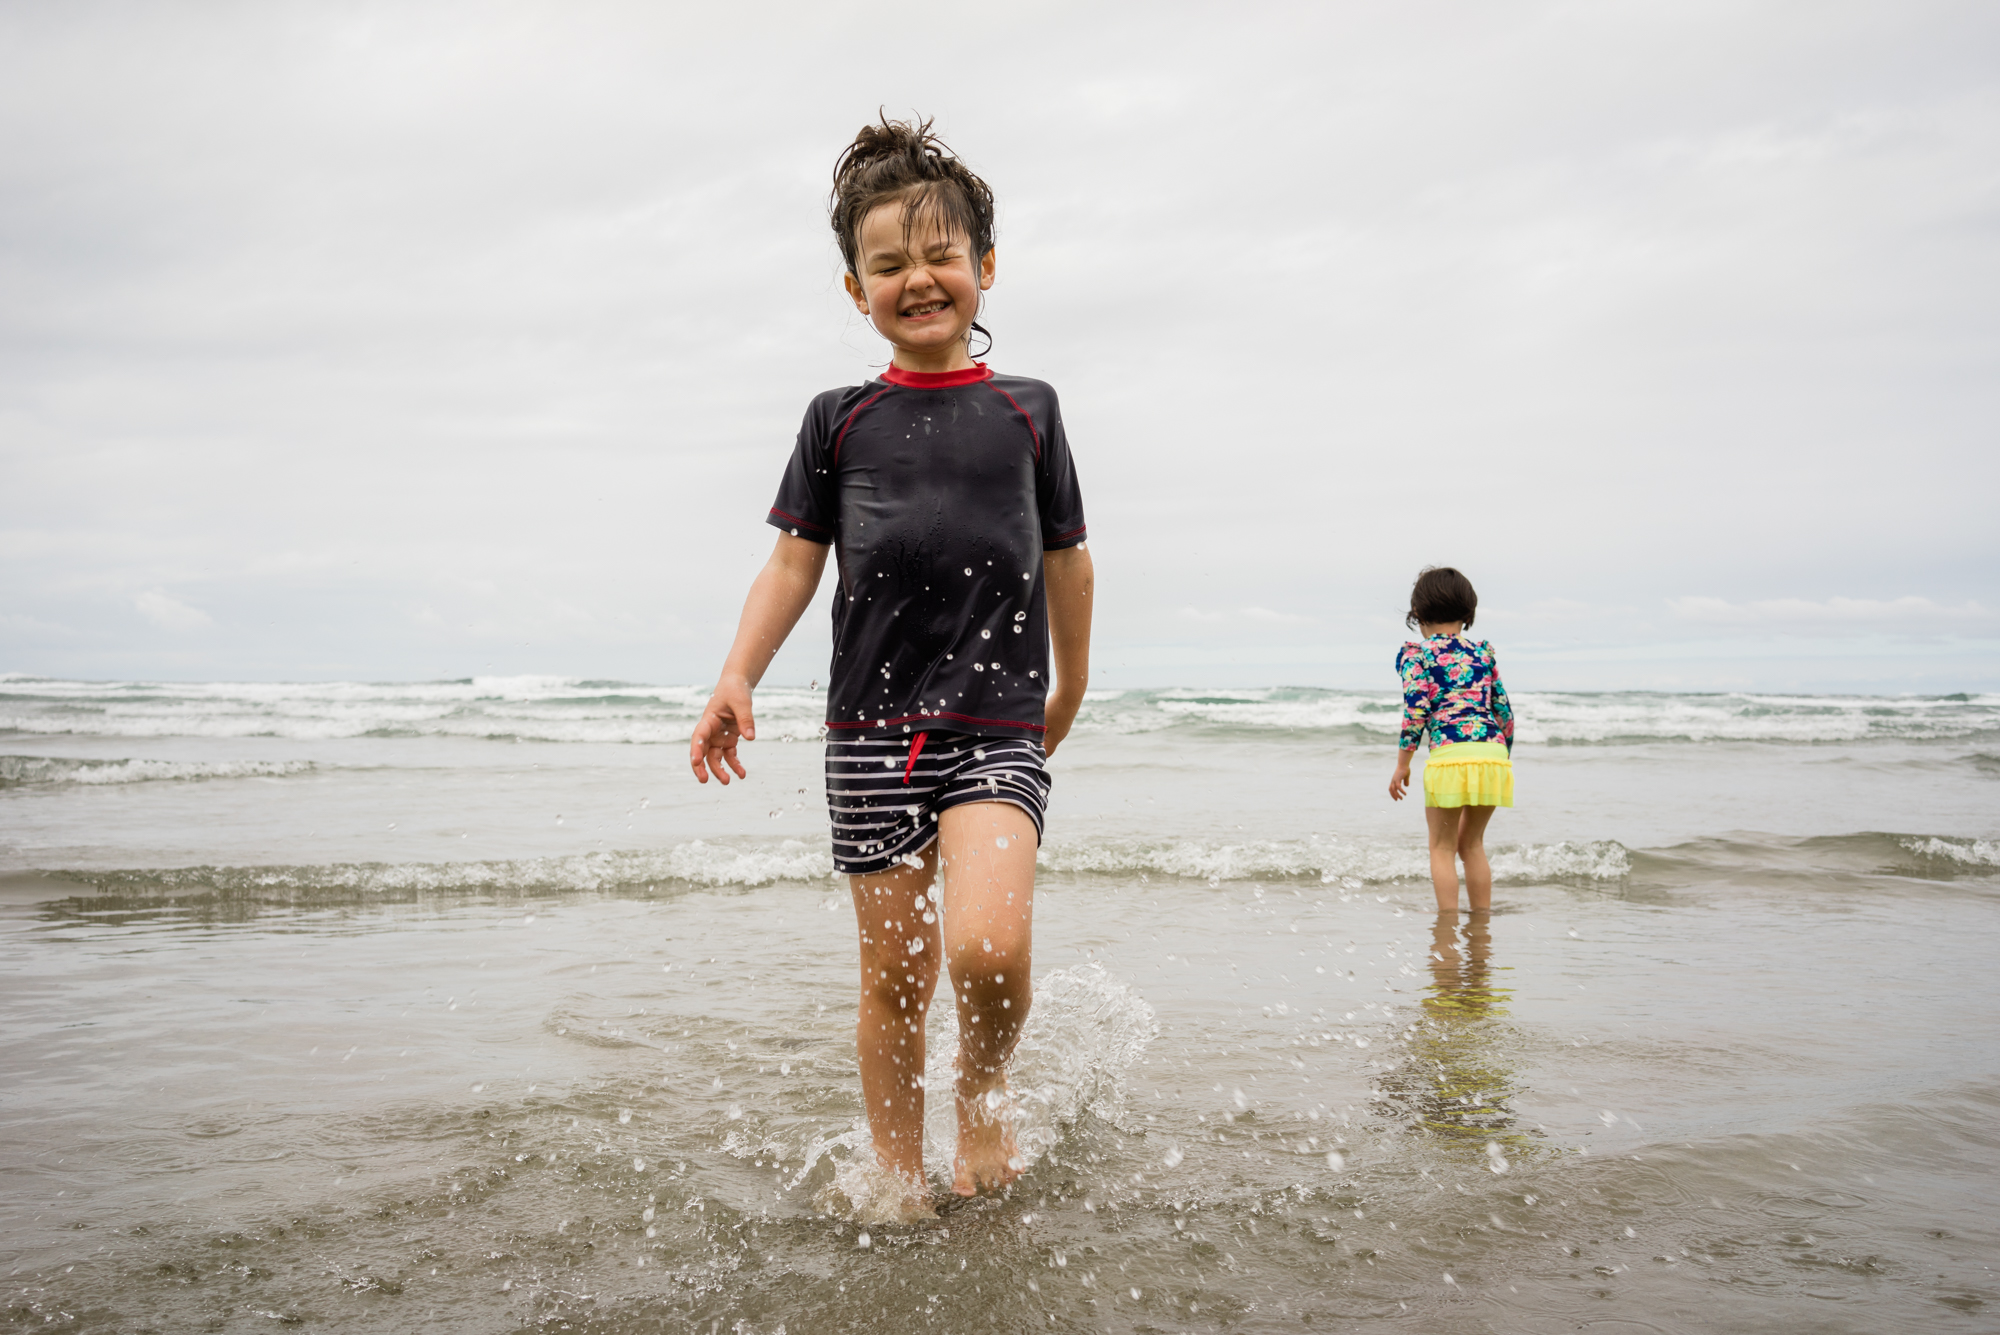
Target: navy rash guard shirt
x,y
939,493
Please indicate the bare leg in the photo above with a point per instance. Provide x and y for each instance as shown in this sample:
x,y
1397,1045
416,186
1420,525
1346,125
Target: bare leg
x,y
899,971
1472,851
1443,823
989,897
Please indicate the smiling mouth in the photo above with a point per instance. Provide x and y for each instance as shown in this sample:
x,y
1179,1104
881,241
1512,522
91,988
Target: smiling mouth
x,y
928,308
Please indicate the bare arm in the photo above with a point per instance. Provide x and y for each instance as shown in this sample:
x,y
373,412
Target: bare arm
x,y
778,597
1072,584
1399,782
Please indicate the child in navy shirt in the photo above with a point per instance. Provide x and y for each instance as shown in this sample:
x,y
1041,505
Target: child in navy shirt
x,y
949,499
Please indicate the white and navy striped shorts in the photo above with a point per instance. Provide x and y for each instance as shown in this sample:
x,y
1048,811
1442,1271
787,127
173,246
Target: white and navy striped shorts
x,y
885,807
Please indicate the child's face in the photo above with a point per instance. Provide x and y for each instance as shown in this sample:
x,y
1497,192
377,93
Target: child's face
x,y
919,287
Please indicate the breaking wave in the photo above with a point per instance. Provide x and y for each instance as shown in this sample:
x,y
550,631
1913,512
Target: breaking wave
x,y
1328,860
18,771
562,709
704,865
1966,852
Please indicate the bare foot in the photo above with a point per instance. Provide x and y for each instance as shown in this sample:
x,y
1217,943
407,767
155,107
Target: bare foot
x,y
987,1159
906,1202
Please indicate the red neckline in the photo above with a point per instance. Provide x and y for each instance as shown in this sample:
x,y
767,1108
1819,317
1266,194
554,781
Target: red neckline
x,y
972,375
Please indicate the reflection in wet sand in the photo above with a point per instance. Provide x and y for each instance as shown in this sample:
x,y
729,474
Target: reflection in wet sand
x,y
1453,1083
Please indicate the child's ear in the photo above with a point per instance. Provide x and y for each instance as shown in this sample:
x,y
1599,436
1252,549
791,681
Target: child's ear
x,y
986,270
855,290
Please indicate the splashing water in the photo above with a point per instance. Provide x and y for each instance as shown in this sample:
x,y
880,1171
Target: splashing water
x,y
1084,1032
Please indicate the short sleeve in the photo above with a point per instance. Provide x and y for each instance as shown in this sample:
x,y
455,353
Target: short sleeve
x,y
1058,497
807,506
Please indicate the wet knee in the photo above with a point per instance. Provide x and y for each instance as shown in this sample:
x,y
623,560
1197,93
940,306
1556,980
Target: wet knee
x,y
987,980
903,985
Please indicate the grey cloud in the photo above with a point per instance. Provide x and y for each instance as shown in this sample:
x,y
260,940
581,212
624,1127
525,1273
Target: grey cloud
x,y
412,340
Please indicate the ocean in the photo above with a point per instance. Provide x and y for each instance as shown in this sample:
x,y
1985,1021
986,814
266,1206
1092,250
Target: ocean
x,y
459,1006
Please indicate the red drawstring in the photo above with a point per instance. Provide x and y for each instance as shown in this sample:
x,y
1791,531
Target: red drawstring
x,y
915,747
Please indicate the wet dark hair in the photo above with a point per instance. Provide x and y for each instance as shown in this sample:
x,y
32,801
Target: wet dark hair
x,y
1441,594
902,160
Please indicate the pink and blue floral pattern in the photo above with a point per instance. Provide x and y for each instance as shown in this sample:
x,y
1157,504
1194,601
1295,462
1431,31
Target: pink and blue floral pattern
x,y
1452,690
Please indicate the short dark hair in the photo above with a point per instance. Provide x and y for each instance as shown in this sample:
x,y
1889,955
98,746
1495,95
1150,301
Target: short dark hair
x,y
1441,594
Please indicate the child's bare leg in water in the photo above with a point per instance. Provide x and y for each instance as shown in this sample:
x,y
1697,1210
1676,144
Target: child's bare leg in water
x,y
1472,852
1460,832
989,890
899,971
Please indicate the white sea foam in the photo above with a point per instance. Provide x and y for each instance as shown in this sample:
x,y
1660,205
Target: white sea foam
x,y
1970,852
697,864
63,770
704,865
1330,860
558,709
546,709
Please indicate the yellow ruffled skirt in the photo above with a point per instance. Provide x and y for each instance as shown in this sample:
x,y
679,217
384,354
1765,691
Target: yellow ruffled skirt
x,y
1469,774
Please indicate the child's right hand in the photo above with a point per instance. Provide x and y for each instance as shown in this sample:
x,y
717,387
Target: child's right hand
x,y
1399,783
725,720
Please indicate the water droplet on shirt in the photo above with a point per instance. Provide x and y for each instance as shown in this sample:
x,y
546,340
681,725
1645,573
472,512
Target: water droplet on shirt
x,y
968,570
984,635
1020,616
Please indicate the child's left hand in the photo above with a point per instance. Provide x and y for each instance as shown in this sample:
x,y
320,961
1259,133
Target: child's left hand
x,y
1399,782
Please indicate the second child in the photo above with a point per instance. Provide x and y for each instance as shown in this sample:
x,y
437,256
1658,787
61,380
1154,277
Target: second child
x,y
1452,695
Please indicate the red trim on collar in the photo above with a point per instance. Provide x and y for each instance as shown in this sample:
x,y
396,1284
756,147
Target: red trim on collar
x,y
972,375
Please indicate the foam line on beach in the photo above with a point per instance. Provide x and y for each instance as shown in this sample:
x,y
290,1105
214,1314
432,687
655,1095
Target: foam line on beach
x,y
703,865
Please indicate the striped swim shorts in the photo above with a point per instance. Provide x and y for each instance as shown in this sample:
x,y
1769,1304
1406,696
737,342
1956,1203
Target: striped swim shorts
x,y
885,794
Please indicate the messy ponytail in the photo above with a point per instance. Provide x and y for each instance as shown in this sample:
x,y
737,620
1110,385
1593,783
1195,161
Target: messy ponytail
x,y
900,160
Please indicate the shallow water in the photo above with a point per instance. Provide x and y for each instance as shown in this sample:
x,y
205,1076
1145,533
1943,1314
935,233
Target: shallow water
x,y
271,1060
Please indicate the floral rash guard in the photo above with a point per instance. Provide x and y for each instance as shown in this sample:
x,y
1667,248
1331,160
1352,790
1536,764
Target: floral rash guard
x,y
1452,691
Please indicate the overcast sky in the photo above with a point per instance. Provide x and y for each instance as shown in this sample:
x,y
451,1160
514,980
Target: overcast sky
x,y
424,340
